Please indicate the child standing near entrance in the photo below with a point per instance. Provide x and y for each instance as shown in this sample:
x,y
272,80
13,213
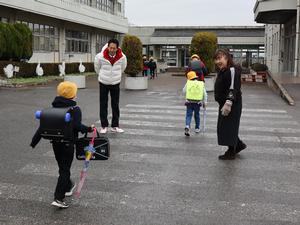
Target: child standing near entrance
x,y
196,96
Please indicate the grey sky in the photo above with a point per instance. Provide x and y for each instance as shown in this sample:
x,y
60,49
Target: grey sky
x,y
190,12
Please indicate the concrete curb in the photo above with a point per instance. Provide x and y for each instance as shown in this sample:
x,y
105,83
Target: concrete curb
x,y
276,86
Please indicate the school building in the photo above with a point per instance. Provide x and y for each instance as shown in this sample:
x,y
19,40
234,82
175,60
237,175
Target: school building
x,y
69,30
172,43
282,19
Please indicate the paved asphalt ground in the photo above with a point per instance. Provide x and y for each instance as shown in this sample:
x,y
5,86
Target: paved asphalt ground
x,y
155,174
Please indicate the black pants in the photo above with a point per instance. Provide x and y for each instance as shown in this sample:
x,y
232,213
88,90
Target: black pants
x,y
238,146
115,97
64,154
152,73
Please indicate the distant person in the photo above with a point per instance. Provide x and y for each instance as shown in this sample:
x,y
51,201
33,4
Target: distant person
x,y
197,66
145,66
109,64
152,66
229,96
196,96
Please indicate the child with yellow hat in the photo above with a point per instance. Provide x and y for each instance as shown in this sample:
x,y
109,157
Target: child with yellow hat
x,y
197,66
63,150
196,96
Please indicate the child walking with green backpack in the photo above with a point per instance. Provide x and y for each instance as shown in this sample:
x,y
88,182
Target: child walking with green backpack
x,y
196,96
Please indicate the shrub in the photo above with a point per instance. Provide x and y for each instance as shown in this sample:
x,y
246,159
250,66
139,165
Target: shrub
x,y
18,42
26,40
3,43
133,49
258,67
204,44
245,64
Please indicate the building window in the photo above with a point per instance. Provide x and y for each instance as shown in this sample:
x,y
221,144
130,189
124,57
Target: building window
x,y
101,40
86,2
169,54
3,20
119,7
45,37
77,41
105,5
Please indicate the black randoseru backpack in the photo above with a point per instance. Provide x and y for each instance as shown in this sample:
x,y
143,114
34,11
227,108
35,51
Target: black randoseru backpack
x,y
56,124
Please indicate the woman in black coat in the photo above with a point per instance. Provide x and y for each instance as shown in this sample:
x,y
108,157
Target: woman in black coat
x,y
229,96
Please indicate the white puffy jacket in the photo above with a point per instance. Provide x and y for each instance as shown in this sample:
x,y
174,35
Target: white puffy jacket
x,y
107,73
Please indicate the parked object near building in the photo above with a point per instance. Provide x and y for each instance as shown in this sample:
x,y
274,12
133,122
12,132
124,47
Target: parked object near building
x,y
134,80
81,67
79,80
62,69
39,70
9,71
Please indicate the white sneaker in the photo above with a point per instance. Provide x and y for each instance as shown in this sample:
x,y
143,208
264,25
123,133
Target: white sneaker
x,y
197,130
117,130
103,130
187,131
60,204
70,193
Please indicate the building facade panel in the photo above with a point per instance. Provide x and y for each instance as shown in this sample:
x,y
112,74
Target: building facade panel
x,y
172,44
280,39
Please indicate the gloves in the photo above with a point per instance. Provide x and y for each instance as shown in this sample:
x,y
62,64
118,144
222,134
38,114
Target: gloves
x,y
91,128
226,109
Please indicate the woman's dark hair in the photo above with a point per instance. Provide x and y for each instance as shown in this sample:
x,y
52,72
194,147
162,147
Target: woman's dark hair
x,y
227,54
114,41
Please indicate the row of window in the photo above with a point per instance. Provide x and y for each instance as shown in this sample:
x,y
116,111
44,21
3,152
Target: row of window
x,y
104,5
77,41
101,40
46,38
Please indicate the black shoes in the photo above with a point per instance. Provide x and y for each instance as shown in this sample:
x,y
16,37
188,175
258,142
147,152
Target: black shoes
x,y
228,155
241,146
231,152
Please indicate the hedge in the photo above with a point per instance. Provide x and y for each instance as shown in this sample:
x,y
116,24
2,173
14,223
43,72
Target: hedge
x,y
205,44
133,49
15,42
258,67
28,69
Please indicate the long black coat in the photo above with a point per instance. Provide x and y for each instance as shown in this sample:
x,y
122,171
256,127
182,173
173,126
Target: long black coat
x,y
228,126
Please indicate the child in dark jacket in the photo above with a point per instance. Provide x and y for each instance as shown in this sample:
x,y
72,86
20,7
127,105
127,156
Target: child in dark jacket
x,y
64,151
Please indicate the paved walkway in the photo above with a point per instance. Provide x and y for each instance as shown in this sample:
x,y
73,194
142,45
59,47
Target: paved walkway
x,y
155,174
291,84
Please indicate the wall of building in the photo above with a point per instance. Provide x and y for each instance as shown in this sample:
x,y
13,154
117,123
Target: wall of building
x,y
51,42
73,11
273,55
280,46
